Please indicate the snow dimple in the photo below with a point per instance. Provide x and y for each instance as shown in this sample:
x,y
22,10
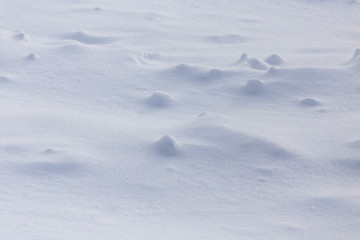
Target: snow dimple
x,y
160,99
88,38
167,146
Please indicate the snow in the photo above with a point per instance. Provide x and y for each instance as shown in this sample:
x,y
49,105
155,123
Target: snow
x,y
254,86
180,119
167,146
274,59
160,99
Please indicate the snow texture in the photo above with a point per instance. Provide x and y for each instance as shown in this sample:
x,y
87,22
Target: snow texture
x,y
173,120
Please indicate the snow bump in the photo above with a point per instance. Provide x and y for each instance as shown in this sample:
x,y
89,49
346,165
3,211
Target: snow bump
x,y
309,102
195,73
167,146
160,99
88,38
274,60
32,57
243,58
254,86
20,36
355,58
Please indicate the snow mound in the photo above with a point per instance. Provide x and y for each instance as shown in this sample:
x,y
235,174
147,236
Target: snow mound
x,y
47,163
355,58
185,71
256,64
167,146
32,57
309,102
214,140
274,60
72,48
160,99
50,151
21,36
243,58
254,86
87,38
356,53
214,73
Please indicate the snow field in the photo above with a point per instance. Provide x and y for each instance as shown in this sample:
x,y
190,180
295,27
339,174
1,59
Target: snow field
x,y
179,120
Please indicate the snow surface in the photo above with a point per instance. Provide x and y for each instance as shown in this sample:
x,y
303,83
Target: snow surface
x,y
180,119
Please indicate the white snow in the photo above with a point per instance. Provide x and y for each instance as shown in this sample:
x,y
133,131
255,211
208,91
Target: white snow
x,y
160,99
274,59
167,146
180,119
254,86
